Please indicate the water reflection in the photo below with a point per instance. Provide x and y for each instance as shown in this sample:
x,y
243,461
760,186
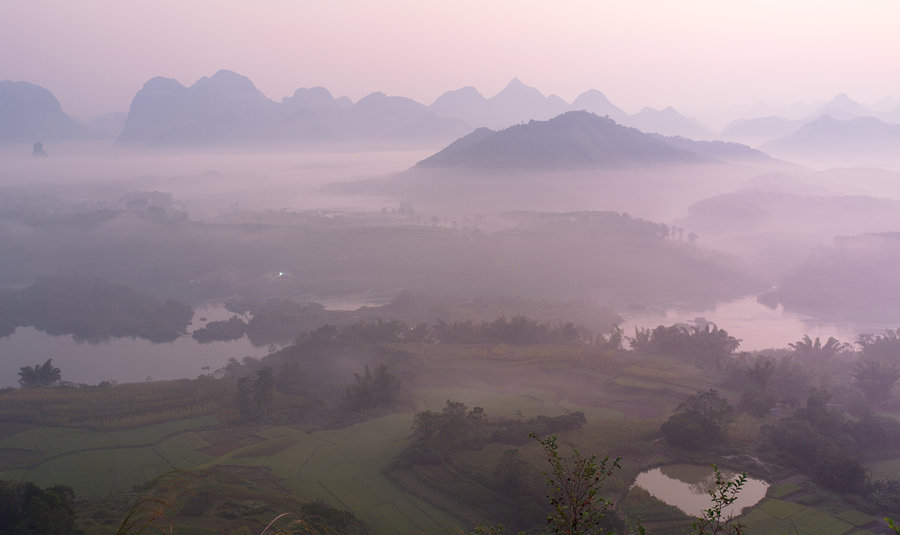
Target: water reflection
x,y
122,359
757,326
686,487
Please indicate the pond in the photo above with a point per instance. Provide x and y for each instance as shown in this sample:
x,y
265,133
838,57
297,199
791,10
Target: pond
x,y
686,487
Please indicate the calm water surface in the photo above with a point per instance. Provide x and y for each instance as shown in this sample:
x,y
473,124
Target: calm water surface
x,y
127,360
122,359
757,326
686,487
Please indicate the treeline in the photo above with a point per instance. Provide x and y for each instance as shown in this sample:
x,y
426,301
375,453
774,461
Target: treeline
x,y
705,344
437,434
277,321
92,310
519,330
819,408
606,222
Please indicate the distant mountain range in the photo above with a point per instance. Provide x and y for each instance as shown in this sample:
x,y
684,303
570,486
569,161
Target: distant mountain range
x,y
518,103
578,139
827,137
757,131
30,113
227,108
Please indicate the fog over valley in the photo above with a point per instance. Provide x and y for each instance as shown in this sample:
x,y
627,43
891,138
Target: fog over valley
x,y
327,274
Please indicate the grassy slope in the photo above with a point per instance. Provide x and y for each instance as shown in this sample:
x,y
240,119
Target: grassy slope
x,y
625,399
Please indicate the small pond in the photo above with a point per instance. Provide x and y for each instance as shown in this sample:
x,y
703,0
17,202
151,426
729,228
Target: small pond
x,y
686,486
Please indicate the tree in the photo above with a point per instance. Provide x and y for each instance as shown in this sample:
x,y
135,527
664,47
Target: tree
x,y
372,390
814,352
708,344
39,375
27,508
884,347
574,484
435,434
245,398
698,422
875,379
263,386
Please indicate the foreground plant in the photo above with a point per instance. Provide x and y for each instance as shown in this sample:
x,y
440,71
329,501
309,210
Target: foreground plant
x,y
574,483
714,521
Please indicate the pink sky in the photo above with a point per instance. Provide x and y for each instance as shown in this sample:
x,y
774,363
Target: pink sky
x,y
95,54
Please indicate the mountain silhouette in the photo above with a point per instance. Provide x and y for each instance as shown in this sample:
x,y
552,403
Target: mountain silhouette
x,y
29,112
228,108
223,107
717,150
596,102
668,122
313,98
761,129
828,136
570,140
518,103
465,104
843,107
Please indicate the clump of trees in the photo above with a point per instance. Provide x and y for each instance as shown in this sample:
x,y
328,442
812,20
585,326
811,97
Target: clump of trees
x,y
44,374
255,394
519,330
93,310
707,345
27,508
816,440
221,331
437,434
518,431
699,422
371,390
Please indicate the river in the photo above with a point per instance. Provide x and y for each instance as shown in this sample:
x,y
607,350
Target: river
x,y
757,326
121,359
129,360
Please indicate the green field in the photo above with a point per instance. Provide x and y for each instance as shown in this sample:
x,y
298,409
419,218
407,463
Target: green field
x,y
350,468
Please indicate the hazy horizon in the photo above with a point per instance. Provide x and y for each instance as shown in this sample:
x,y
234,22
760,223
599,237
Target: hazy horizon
x,y
696,56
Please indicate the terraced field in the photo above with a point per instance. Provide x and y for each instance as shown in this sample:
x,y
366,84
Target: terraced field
x,y
347,467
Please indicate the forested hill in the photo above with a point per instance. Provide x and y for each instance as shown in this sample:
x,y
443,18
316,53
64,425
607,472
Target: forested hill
x,y
571,140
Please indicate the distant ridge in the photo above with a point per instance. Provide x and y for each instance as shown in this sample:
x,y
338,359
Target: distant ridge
x,y
718,150
30,113
668,122
596,102
227,108
828,136
573,139
514,104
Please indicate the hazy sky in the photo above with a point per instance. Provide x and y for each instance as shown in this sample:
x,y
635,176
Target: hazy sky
x,y
95,54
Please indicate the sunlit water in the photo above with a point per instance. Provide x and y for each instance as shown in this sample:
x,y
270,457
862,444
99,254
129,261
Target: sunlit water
x,y
757,326
128,360
121,359
687,487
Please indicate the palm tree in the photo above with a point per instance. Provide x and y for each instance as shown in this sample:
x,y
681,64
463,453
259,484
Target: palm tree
x,y
810,351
